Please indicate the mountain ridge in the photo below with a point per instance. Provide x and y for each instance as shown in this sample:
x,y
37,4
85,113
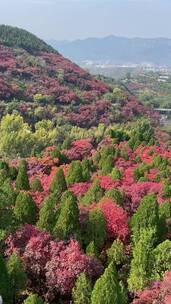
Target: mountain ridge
x,y
117,50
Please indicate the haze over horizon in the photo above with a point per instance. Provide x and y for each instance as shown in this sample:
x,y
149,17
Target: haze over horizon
x,y
80,19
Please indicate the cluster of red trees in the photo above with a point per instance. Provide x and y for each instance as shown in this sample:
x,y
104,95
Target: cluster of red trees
x,y
43,70
52,266
49,78
159,292
88,205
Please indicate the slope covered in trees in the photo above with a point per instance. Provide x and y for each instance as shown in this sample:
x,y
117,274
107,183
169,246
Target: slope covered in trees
x,y
19,38
39,83
72,230
85,202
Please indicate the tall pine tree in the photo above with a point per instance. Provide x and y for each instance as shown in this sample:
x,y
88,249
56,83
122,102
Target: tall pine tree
x,y
47,214
81,293
86,168
142,262
75,173
96,230
94,194
22,181
17,276
5,287
107,289
58,184
33,299
67,224
146,216
25,209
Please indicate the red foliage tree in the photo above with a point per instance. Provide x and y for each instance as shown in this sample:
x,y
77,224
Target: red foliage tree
x,y
159,292
116,220
51,266
66,263
79,149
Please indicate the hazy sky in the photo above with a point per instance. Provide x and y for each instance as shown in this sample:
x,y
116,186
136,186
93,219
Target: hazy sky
x,y
71,19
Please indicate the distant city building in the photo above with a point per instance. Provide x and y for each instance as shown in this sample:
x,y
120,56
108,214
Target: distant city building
x,y
163,78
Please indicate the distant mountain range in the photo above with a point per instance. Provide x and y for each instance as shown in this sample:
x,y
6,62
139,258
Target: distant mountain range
x,y
117,50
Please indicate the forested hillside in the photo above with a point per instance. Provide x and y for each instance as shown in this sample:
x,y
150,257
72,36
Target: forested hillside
x,y
85,193
19,38
43,91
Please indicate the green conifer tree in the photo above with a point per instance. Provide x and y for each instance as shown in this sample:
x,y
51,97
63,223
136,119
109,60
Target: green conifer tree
x,y
47,214
96,230
17,276
165,210
167,189
116,253
125,155
94,194
162,259
4,165
22,181
7,200
13,172
107,289
142,262
115,195
117,153
81,293
75,173
142,133
33,299
36,185
165,216
116,174
58,184
5,287
86,168
25,209
91,250
146,216
57,154
105,152
67,224
107,164
124,293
